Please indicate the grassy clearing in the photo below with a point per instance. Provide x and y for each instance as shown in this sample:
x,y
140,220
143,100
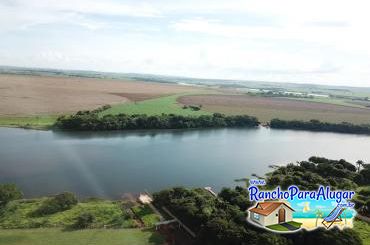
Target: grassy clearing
x,y
18,214
363,229
158,106
39,122
83,237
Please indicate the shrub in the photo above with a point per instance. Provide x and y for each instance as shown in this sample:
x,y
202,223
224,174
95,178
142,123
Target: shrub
x,y
84,220
9,192
58,203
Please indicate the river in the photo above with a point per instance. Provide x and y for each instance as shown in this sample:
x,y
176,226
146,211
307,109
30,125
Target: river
x,y
108,164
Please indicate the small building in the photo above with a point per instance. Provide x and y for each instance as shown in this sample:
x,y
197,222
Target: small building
x,y
271,213
144,198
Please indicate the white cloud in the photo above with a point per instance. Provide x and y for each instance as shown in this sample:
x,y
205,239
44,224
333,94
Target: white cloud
x,y
287,40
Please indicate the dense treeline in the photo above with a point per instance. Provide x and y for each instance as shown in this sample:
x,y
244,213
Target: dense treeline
x,y
91,120
214,220
316,125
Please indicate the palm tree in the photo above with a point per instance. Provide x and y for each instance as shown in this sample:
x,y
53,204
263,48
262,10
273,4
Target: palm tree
x,y
359,164
319,214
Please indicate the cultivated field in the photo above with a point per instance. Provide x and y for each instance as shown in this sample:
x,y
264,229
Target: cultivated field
x,y
22,95
36,101
266,108
157,106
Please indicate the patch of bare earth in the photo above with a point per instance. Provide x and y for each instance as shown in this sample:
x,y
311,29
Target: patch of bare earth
x,y
266,108
22,95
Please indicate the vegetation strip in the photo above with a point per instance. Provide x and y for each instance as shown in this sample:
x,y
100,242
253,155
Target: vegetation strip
x,y
90,120
316,125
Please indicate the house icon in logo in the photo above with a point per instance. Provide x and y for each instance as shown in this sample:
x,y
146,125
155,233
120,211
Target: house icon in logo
x,y
269,213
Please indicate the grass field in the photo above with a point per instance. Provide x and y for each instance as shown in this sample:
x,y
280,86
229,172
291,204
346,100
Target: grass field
x,y
166,105
39,122
18,214
83,237
157,106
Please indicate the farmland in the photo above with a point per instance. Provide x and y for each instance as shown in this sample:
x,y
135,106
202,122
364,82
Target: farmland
x,y
35,101
41,95
266,108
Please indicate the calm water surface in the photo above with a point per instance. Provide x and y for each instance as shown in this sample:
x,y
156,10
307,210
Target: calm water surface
x,y
108,164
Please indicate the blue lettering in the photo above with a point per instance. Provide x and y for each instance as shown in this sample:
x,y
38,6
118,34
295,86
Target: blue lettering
x,y
293,191
253,190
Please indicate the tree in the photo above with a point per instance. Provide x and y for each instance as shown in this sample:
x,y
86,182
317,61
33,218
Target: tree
x,y
9,192
58,203
359,164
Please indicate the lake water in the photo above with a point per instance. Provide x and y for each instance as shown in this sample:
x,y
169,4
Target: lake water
x,y
108,164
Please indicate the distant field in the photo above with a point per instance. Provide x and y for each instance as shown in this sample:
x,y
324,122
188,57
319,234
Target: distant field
x,y
82,237
36,101
266,108
156,106
333,101
22,95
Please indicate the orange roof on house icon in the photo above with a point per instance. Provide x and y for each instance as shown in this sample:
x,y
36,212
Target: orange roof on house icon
x,y
266,208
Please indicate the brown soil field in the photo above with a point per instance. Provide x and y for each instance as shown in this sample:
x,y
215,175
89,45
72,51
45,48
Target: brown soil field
x,y
22,95
266,108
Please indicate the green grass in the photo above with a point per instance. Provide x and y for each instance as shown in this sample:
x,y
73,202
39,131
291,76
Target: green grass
x,y
18,214
277,227
157,106
39,122
83,237
363,229
146,214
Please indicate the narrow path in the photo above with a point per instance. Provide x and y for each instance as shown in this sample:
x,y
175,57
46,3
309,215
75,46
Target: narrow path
x,y
289,226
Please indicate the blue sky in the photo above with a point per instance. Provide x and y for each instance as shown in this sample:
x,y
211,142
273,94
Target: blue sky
x,y
324,42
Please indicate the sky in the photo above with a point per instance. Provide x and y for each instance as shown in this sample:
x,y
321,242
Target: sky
x,y
324,42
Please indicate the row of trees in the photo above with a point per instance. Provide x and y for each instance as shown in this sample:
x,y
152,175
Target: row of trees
x,y
316,125
90,120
